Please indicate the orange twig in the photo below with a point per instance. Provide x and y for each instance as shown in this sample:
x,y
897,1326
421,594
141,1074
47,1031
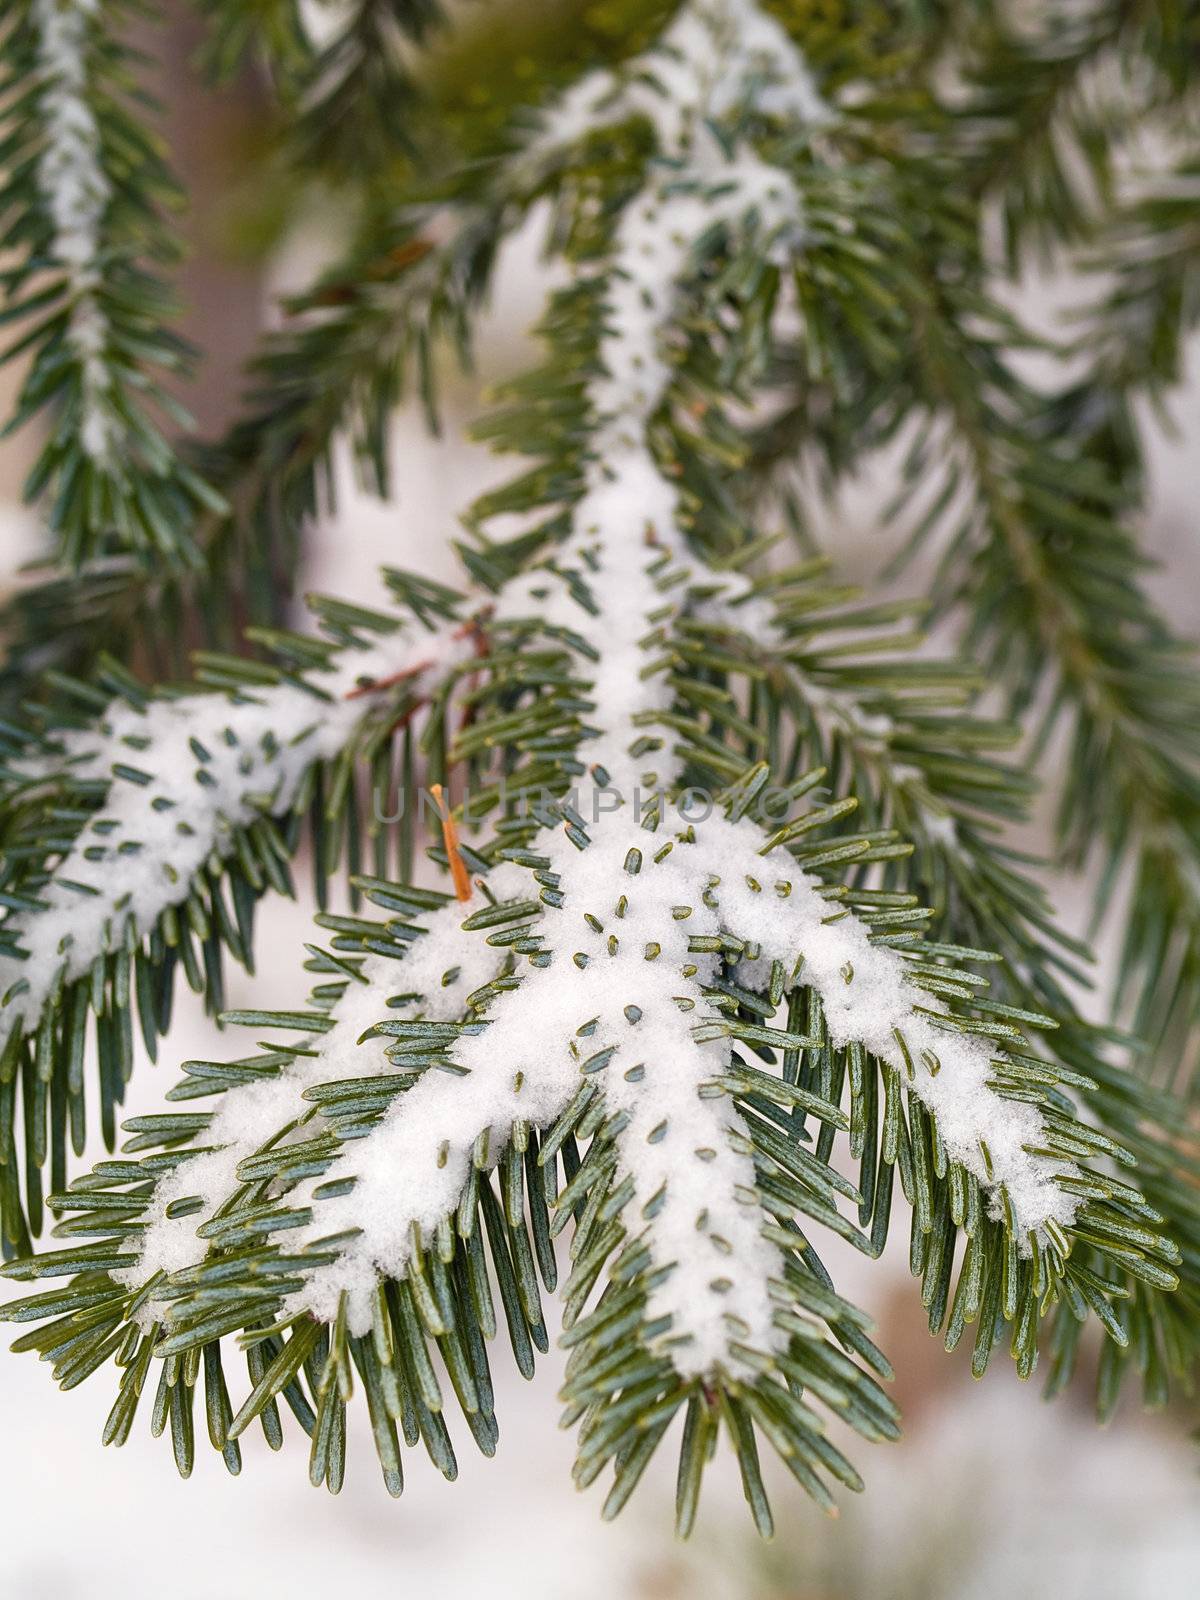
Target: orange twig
x,y
458,867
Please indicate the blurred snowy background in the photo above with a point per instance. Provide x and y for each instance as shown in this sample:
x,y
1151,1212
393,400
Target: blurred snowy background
x,y
990,1492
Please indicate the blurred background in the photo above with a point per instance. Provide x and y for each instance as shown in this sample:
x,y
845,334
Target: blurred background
x,y
990,1492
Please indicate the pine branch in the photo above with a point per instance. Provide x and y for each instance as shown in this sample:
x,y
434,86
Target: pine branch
x,y
1134,335
984,896
340,365
83,207
1021,490
1040,125
1048,102
1022,507
356,101
268,34
648,1022
346,82
368,328
138,845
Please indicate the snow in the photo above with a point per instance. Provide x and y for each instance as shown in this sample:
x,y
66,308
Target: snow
x,y
184,773
76,193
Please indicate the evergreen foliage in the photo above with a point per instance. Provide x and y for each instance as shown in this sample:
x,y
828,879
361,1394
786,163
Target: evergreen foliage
x,y
85,201
728,943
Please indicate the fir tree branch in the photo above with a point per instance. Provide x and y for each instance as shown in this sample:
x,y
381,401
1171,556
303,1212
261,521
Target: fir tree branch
x,y
1134,335
367,329
138,845
83,209
355,103
346,81
1044,612
342,363
264,33
1039,128
704,987
1048,101
991,902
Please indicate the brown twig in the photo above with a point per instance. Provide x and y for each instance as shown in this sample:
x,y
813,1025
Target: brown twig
x,y
405,717
396,260
473,629
376,684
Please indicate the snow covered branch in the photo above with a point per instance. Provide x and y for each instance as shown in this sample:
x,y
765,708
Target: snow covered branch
x,y
184,774
76,192
440,970
85,194
646,1019
632,990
